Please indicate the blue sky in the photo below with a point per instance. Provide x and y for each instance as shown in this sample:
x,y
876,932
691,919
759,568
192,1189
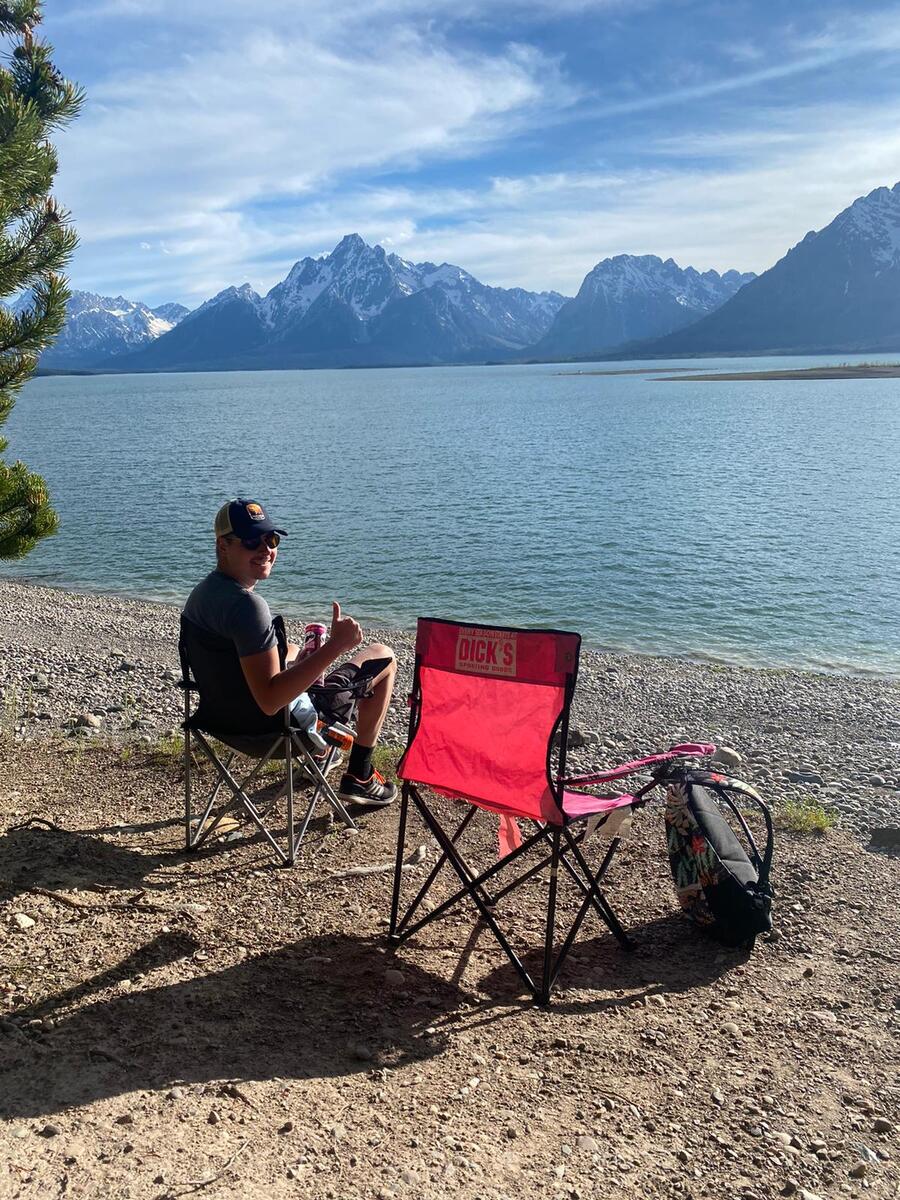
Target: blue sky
x,y
521,140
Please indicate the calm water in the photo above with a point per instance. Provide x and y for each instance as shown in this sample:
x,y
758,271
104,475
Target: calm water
x,y
751,522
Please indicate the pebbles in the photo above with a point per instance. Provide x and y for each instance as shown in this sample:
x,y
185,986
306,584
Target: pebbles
x,y
106,667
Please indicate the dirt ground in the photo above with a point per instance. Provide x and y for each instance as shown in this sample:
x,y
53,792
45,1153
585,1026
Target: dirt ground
x,y
215,1025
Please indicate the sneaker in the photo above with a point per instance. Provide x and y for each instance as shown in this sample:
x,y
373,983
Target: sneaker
x,y
374,791
301,772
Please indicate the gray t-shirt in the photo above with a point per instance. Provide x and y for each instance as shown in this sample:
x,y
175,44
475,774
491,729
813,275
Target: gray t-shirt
x,y
220,605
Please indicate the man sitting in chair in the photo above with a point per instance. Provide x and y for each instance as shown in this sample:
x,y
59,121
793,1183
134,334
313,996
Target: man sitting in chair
x,y
225,603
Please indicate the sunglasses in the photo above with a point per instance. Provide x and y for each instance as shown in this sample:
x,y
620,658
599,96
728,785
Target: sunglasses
x,y
272,540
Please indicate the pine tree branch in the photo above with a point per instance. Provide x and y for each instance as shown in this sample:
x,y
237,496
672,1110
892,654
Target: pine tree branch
x,y
38,229
25,512
32,330
35,243
19,16
39,82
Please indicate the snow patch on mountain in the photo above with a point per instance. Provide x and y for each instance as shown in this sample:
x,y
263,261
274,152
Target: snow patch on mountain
x,y
625,274
243,294
872,224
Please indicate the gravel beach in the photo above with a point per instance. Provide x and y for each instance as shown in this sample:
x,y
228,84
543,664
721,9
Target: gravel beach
x,y
175,1024
105,667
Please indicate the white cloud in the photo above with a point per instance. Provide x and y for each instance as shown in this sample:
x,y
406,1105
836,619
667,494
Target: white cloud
x,y
761,192
249,147
762,195
165,151
330,14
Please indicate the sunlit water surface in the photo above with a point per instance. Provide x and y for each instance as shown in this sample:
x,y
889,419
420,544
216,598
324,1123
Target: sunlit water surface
x,y
754,522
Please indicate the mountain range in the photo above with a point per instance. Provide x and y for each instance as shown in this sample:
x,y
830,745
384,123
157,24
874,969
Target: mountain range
x,y
836,290
631,297
357,306
99,328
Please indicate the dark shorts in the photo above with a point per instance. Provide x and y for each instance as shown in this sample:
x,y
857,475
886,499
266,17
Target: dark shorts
x,y
336,698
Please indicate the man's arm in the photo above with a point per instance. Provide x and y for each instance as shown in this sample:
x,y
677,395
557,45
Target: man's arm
x,y
273,688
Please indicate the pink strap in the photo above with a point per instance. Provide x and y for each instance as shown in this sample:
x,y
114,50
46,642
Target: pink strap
x,y
687,750
509,836
575,804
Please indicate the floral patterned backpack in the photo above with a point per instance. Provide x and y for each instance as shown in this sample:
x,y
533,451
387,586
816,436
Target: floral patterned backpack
x,y
720,885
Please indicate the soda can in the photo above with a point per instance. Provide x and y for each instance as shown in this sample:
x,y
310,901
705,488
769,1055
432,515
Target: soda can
x,y
315,636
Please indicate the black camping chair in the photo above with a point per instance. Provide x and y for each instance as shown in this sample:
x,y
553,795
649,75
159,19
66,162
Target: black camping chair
x,y
227,713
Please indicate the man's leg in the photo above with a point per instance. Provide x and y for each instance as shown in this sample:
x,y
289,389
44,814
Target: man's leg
x,y
361,783
372,709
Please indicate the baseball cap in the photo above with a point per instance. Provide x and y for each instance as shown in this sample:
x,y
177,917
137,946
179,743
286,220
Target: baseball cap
x,y
245,519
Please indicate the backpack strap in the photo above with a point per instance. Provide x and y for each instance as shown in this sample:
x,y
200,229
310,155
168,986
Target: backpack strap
x,y
722,785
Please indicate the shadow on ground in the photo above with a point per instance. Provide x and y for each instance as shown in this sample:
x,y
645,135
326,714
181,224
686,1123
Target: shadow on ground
x,y
36,856
670,956
313,1009
39,856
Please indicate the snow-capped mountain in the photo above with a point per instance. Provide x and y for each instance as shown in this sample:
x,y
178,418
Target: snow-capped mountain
x,y
367,280
634,296
101,327
838,290
356,306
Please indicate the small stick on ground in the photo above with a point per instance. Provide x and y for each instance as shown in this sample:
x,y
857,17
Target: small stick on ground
x,y
413,860
102,1052
32,821
194,1185
126,906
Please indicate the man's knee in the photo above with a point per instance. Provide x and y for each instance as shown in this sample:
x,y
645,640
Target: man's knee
x,y
380,650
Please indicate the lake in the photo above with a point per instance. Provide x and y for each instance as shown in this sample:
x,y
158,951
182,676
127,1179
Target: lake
x,y
751,522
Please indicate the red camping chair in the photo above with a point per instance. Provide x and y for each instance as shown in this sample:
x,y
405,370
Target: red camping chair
x,y
487,704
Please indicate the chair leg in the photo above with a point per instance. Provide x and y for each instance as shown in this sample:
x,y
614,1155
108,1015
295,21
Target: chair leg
x,y
600,902
289,770
398,865
240,797
435,870
470,882
205,831
543,998
583,882
194,839
188,763
322,789
472,887
626,942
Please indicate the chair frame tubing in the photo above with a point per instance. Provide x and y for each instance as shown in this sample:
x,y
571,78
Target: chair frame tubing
x,y
563,846
292,748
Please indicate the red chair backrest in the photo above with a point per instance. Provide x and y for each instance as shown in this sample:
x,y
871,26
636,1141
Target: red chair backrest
x,y
489,700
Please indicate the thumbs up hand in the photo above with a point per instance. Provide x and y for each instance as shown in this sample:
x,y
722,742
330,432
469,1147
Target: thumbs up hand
x,y
345,632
